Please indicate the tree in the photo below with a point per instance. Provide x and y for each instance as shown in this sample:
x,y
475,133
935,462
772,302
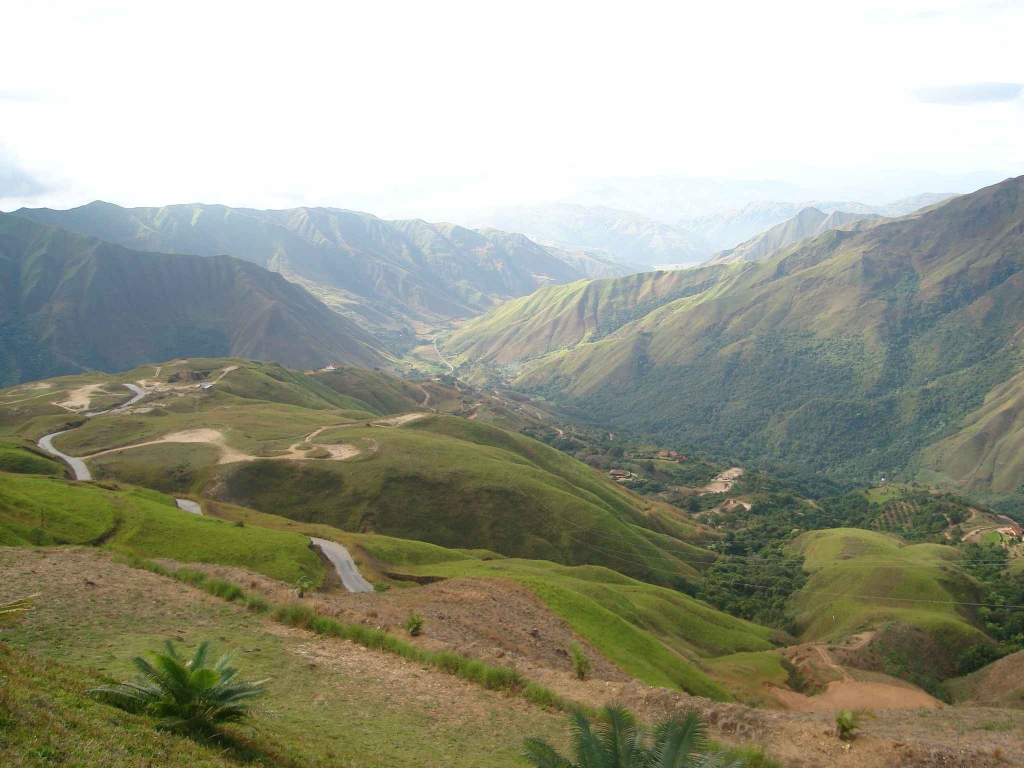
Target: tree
x,y
616,741
185,694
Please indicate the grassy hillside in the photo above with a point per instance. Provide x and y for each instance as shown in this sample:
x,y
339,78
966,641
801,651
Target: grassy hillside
x,y
655,634
563,316
861,579
849,352
384,275
451,481
331,703
70,303
43,511
460,484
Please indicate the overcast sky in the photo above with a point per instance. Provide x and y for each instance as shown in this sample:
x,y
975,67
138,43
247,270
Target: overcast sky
x,y
432,108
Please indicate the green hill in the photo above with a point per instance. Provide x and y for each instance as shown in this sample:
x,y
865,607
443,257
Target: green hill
x,y
70,303
328,447
460,484
383,275
43,511
849,353
861,580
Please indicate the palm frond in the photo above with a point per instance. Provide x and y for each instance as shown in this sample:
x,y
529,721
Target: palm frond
x,y
677,739
540,754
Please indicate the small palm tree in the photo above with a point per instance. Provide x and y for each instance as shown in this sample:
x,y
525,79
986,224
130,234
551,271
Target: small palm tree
x,y
616,741
185,694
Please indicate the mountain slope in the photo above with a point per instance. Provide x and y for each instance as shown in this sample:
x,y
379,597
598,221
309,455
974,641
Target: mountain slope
x,y
72,303
807,223
382,274
628,236
846,352
728,228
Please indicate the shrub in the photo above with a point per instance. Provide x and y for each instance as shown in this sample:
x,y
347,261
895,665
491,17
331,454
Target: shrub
x,y
848,721
304,585
580,663
295,615
256,604
414,624
381,586
185,694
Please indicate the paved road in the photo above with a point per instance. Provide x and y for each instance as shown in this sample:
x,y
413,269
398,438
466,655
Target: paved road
x,y
344,565
78,467
189,506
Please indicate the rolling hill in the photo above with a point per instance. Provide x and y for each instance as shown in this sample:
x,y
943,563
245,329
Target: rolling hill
x,y
327,448
71,303
848,352
382,274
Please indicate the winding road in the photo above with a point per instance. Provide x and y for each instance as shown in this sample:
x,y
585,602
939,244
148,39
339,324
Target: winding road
x,y
344,565
78,468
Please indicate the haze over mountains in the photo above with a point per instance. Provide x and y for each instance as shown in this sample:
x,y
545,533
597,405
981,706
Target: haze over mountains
x,y
851,351
383,275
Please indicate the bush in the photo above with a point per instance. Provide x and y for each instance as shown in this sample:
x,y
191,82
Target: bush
x,y
295,615
580,663
304,585
381,586
414,624
256,604
977,656
849,721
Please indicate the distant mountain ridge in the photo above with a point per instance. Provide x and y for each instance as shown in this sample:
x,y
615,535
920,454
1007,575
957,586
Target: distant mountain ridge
x,y
71,303
628,237
858,351
382,274
809,222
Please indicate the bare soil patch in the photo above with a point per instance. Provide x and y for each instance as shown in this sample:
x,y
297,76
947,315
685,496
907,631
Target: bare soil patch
x,y
80,399
724,482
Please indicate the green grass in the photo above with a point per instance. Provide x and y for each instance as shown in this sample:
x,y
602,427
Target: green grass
x,y
647,630
368,709
463,485
47,511
861,579
21,456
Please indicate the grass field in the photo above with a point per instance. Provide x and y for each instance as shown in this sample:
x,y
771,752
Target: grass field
x,y
331,703
861,579
650,632
463,485
47,511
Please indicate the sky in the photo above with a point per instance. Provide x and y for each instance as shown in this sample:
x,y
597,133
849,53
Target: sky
x,y
437,109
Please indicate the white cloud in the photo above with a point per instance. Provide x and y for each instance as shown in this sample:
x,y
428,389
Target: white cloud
x,y
431,108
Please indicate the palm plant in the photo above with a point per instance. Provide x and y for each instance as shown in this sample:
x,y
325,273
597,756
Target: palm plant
x,y
616,741
185,694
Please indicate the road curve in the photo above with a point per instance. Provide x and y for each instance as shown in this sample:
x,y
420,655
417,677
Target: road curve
x,y
344,565
78,468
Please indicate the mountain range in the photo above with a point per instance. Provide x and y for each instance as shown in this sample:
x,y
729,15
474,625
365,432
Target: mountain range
x,y
727,229
627,237
383,275
807,223
855,352
72,303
